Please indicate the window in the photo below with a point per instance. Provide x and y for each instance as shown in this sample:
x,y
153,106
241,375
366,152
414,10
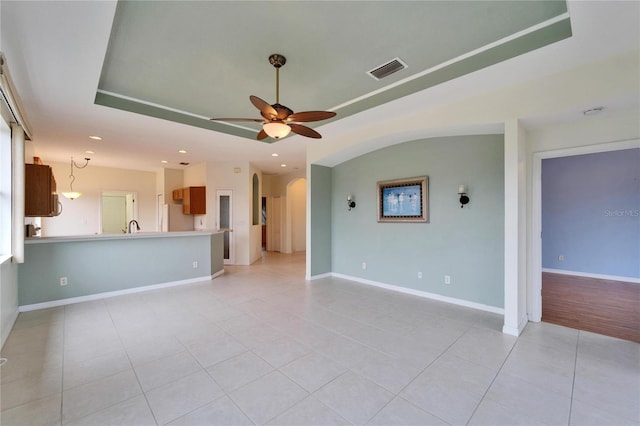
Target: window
x,y
5,188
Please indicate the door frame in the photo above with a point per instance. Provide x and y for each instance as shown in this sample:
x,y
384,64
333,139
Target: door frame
x,y
131,198
535,276
225,193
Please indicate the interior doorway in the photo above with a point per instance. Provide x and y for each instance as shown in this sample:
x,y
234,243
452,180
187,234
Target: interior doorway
x,y
575,281
117,209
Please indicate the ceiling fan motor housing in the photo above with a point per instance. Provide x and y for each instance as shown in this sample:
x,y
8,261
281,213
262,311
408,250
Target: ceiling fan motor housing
x,y
277,60
283,111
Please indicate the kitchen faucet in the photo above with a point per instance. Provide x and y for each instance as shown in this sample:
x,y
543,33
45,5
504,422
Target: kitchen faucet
x,y
129,226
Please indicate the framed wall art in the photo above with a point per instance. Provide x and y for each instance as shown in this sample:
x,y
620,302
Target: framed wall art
x,y
404,200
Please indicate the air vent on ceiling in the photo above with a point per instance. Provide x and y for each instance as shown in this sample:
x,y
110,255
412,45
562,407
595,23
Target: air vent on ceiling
x,y
182,163
387,69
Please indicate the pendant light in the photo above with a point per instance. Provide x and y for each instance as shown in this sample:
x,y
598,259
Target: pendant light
x,y
71,194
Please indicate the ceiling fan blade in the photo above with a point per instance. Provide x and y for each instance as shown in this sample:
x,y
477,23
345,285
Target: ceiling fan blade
x,y
253,120
307,116
266,110
262,135
304,131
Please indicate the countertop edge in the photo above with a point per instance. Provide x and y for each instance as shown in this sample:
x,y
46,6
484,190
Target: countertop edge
x,y
106,237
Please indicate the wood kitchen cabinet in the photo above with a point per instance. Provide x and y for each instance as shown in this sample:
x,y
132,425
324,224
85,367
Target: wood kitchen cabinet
x,y
178,194
41,199
194,199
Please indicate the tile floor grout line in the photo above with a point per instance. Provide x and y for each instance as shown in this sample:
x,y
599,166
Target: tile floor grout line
x,y
64,323
494,378
135,373
397,395
573,381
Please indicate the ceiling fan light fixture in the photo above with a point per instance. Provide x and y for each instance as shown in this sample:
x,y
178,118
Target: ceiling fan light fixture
x,y
276,130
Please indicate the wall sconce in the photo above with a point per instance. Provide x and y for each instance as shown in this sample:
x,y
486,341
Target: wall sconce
x,y
462,192
350,203
71,194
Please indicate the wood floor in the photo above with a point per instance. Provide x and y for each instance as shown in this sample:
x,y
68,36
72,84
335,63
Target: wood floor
x,y
601,306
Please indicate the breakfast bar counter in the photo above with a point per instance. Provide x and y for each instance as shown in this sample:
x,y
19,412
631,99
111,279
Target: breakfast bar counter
x,y
69,269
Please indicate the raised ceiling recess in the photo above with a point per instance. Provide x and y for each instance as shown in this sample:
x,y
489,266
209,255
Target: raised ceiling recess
x,y
193,72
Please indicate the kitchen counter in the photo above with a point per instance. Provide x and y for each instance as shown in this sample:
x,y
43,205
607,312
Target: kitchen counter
x,y
71,269
102,237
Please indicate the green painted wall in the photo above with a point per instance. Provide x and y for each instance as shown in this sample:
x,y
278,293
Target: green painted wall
x,y
320,193
217,252
99,266
8,297
465,243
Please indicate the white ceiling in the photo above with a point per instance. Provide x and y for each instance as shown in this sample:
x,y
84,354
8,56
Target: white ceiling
x,y
56,53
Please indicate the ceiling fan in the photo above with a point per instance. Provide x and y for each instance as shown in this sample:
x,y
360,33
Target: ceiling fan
x,y
277,119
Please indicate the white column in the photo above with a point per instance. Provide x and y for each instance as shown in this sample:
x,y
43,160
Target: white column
x,y
515,230
17,193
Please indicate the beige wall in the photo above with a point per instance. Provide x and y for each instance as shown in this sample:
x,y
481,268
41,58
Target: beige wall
x,y
297,214
82,216
235,177
172,179
294,208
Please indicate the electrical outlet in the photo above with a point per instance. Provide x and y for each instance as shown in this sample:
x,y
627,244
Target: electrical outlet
x,y
561,258
447,279
364,265
419,274
63,281
195,264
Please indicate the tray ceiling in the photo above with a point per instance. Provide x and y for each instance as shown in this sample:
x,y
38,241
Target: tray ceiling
x,y
190,61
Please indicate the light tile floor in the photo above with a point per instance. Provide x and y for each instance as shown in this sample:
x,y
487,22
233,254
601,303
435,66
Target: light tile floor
x,y
259,345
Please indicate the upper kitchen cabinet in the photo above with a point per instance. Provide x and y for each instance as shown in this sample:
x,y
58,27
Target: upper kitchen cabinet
x,y
177,194
194,199
41,199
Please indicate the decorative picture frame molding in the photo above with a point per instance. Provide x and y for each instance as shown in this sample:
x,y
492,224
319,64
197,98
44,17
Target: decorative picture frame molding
x,y
404,200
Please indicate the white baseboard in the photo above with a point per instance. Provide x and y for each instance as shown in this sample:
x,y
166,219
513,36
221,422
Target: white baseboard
x,y
434,296
513,331
105,295
534,318
318,277
588,275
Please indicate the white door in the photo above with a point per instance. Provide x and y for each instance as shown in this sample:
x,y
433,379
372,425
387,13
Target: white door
x,y
225,222
114,214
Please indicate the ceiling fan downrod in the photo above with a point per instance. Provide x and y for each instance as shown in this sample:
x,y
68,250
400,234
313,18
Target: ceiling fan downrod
x,y
277,61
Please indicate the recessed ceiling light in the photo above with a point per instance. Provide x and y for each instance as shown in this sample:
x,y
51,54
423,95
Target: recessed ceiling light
x,y
275,154
89,152
283,165
182,151
164,161
95,138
